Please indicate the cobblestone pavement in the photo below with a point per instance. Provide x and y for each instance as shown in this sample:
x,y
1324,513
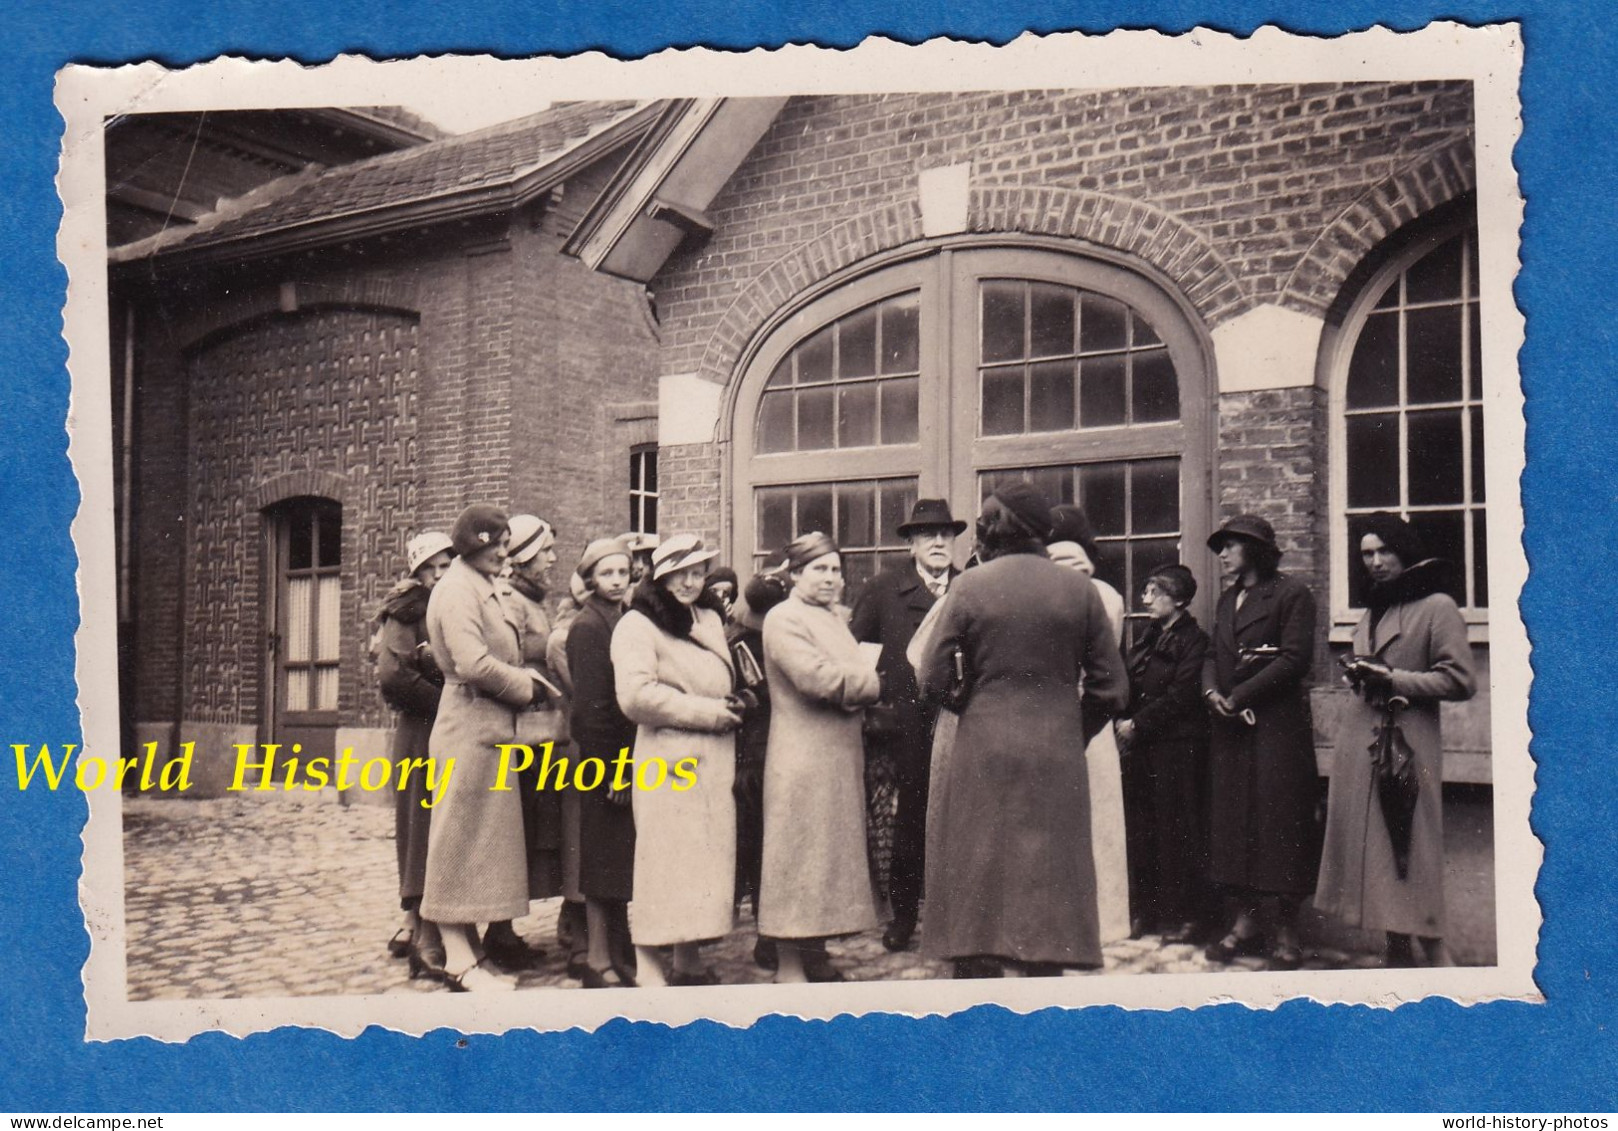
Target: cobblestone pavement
x,y
277,896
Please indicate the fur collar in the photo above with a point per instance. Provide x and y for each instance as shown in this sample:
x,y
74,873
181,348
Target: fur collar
x,y
1421,580
407,603
661,607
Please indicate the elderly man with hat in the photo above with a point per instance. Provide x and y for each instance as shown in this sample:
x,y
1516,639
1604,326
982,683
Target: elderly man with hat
x,y
899,735
1263,785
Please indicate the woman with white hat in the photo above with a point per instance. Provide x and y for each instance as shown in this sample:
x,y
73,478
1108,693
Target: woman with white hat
x,y
411,684
674,678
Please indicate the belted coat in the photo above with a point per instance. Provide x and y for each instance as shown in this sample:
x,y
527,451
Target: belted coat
x,y
1264,788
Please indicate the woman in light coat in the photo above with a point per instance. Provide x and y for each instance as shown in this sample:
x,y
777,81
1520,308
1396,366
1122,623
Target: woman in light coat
x,y
1411,644
1073,544
816,879
477,863
673,674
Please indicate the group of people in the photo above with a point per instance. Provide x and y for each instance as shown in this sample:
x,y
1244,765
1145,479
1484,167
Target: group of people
x,y
971,753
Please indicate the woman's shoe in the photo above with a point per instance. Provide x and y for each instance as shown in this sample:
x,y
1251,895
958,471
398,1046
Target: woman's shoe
x,y
510,952
399,945
609,979
764,956
427,962
479,978
697,978
1286,956
821,970
1234,946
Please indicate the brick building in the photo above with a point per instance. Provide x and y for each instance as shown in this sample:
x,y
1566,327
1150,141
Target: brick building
x,y
331,362
1166,304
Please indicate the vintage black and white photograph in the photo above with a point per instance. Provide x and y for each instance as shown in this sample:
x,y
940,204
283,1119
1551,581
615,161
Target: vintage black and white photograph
x,y
761,536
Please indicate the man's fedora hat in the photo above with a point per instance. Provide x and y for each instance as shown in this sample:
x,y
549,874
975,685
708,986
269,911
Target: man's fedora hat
x,y
931,514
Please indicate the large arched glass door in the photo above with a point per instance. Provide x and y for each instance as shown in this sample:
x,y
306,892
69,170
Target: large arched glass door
x,y
946,375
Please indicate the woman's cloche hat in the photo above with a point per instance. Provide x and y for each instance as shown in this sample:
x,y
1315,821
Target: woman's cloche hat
x,y
478,527
595,551
678,552
931,514
1248,526
529,535
425,545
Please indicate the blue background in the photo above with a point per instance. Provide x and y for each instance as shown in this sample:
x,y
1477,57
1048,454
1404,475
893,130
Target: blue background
x,y
1557,1056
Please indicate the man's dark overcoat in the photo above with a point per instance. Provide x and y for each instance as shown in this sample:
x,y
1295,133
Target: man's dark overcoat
x,y
1263,784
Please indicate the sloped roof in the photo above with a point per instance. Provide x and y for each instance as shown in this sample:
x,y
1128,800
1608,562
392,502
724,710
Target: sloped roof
x,y
395,189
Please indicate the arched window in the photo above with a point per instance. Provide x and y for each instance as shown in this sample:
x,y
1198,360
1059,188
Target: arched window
x,y
1408,412
945,375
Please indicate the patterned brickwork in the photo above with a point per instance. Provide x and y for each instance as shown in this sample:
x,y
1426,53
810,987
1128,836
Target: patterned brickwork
x,y
310,402
1239,195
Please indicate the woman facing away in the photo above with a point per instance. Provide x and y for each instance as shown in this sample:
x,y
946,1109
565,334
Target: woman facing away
x,y
477,863
411,683
816,880
1410,654
674,679
1010,870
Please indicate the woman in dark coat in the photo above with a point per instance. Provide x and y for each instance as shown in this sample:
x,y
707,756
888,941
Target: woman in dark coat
x,y
600,730
411,683
1263,785
1010,870
1412,644
1165,738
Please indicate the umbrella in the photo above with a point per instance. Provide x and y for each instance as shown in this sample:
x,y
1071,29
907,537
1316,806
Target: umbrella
x,y
1396,785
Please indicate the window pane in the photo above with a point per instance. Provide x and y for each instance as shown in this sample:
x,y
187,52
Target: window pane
x,y
856,415
783,373
1154,498
1156,389
298,689
1373,374
1433,368
1002,401
1434,467
900,410
858,569
1112,566
814,419
775,422
1002,321
1144,334
299,592
774,519
856,517
329,622
331,536
814,356
1103,325
325,689
1055,483
814,511
650,513
901,334
1472,264
1373,460
1050,320
648,467
1477,454
1436,276
1050,396
1480,559
1444,533
856,345
301,542
898,500
1390,296
1101,391
1101,494
1476,383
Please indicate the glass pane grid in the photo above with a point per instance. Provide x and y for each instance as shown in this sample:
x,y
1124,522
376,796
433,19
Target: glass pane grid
x,y
851,384
861,516
1413,414
1055,358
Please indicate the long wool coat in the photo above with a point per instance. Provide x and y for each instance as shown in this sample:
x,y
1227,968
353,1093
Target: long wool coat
x,y
544,721
411,684
816,880
1010,869
600,730
1263,784
1108,840
674,689
477,866
1424,641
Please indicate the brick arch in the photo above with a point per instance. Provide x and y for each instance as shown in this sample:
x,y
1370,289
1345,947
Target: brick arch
x,y
297,484
1431,180
242,309
1141,231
